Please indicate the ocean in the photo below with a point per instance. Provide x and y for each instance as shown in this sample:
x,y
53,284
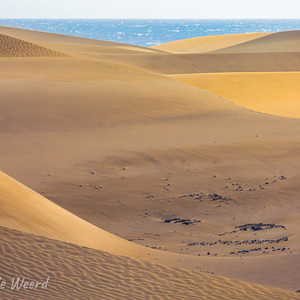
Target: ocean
x,y
150,32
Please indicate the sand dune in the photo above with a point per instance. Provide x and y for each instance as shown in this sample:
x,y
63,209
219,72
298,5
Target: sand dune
x,y
211,62
208,43
274,93
65,94
83,46
119,146
155,60
83,273
13,47
23,209
288,41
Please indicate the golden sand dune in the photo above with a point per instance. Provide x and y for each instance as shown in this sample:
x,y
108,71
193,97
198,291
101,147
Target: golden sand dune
x,y
273,93
260,52
208,43
124,148
82,273
23,209
287,41
13,47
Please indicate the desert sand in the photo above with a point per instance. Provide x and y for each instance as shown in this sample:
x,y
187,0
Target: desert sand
x,y
275,93
150,173
208,43
95,274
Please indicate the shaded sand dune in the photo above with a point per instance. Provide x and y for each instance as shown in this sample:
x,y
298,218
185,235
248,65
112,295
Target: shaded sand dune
x,y
211,62
287,41
13,47
82,273
208,43
274,93
107,138
65,94
261,52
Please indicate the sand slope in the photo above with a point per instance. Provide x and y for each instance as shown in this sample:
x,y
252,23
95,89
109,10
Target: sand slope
x,y
274,93
208,43
65,94
212,62
287,41
23,209
83,46
83,273
13,47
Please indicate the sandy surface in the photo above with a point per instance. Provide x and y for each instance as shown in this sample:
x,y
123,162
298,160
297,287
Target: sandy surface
x,y
287,41
117,145
275,93
208,43
81,273
12,47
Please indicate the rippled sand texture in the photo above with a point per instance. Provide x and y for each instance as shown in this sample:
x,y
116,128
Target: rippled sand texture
x,y
82,273
13,47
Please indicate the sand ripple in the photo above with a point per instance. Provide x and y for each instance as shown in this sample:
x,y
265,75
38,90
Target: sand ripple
x,y
82,273
13,47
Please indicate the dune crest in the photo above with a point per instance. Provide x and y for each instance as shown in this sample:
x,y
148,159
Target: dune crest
x,y
286,41
208,43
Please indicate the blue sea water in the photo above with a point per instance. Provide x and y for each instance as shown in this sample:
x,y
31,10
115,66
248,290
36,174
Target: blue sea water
x,y
150,32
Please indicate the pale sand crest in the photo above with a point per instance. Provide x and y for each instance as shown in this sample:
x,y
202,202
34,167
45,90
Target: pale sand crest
x,y
208,43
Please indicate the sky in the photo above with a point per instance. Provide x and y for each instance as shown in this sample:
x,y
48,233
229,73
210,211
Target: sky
x,y
150,9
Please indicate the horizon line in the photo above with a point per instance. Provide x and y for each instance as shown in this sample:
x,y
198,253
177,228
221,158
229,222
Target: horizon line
x,y
47,18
